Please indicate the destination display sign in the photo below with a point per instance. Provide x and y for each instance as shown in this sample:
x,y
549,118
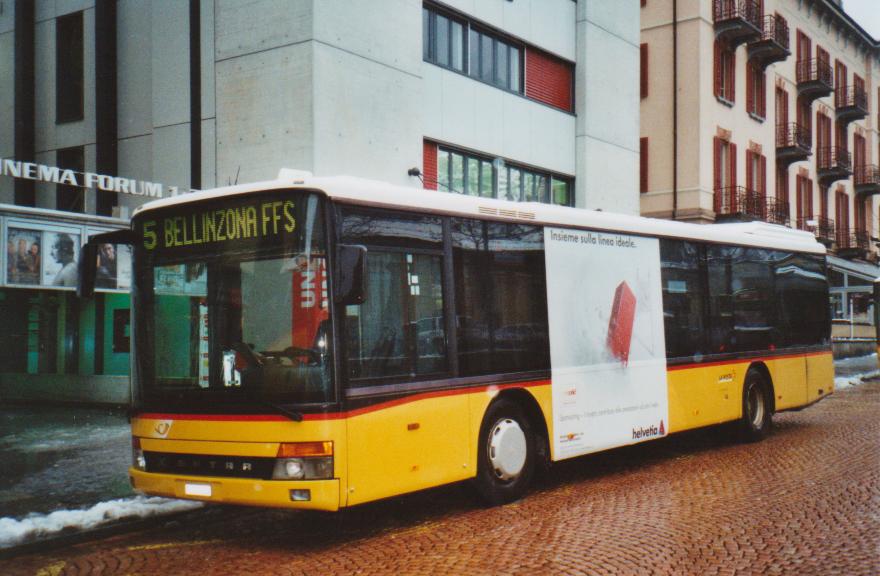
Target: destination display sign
x,y
228,224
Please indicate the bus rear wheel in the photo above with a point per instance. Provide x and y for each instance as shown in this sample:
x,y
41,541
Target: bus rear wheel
x,y
506,458
756,418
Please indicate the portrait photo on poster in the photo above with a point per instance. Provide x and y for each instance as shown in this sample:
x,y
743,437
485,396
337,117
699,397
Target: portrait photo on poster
x,y
23,256
59,267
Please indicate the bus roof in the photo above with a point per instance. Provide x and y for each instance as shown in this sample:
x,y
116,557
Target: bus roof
x,y
359,191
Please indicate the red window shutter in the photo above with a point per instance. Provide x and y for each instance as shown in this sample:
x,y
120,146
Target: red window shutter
x,y
429,165
750,178
799,199
808,185
731,76
762,94
643,165
763,176
549,79
732,150
644,2
643,57
718,69
750,89
716,184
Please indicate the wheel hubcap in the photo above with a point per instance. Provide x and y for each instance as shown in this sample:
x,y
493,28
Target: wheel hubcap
x,y
756,406
507,449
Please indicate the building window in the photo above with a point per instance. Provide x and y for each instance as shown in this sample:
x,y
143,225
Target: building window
x,y
495,61
549,80
804,201
725,73
756,92
69,68
643,165
443,40
70,198
643,70
724,175
756,173
473,175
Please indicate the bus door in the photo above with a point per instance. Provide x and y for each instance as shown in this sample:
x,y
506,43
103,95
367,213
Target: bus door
x,y
406,430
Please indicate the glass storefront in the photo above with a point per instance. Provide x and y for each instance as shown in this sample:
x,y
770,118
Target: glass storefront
x,y
51,340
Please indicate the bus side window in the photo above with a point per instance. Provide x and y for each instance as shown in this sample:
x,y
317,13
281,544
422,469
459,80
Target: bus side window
x,y
684,298
400,330
500,297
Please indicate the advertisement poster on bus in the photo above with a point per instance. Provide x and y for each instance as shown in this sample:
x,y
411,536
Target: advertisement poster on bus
x,y
607,348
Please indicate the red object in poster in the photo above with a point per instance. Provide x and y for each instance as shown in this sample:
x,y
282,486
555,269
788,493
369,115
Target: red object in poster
x,y
309,302
620,327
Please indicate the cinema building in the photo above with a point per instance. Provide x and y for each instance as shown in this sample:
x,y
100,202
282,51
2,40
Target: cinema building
x,y
767,110
517,100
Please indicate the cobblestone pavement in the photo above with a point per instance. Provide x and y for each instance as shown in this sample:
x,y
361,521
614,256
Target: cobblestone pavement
x,y
804,501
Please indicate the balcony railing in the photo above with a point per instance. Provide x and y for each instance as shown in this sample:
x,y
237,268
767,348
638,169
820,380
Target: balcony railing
x,y
793,142
867,179
740,202
822,227
833,163
815,78
737,21
851,103
853,240
772,45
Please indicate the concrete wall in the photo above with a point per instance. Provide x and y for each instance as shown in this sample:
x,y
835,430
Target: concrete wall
x,y
607,104
7,97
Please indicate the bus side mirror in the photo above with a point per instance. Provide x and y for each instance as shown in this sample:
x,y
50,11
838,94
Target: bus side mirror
x,y
88,268
351,276
88,259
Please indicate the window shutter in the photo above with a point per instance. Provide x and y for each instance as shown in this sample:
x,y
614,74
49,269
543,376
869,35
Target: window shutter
x,y
718,69
763,176
429,165
643,54
808,186
716,186
750,177
643,165
799,200
732,150
750,89
762,94
731,76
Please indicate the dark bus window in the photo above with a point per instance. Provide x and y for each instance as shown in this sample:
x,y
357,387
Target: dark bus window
x,y
801,284
742,307
684,298
399,331
380,228
501,297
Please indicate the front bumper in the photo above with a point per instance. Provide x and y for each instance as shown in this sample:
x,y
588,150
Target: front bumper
x,y
272,493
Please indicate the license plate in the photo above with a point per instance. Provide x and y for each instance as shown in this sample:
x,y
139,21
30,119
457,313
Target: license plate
x,y
197,489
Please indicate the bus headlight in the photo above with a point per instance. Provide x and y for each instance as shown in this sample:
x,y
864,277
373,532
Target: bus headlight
x,y
137,455
303,468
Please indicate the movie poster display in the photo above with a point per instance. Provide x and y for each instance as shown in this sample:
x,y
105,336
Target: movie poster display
x,y
24,254
59,262
607,347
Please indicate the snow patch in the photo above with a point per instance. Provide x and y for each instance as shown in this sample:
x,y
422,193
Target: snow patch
x,y
13,532
841,382
854,371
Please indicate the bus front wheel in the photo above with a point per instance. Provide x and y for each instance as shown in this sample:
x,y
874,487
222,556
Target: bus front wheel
x,y
506,458
756,411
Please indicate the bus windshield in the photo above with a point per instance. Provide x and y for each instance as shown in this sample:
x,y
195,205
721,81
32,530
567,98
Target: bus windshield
x,y
231,304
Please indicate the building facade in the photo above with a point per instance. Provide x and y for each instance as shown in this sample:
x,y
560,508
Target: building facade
x,y
105,104
766,110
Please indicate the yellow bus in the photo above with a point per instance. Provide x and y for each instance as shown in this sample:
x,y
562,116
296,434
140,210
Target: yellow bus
x,y
324,342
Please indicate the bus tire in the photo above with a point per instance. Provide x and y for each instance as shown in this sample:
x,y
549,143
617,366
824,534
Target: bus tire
x,y
506,453
756,420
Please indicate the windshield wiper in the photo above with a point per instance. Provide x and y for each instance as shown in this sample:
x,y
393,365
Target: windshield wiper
x,y
292,414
